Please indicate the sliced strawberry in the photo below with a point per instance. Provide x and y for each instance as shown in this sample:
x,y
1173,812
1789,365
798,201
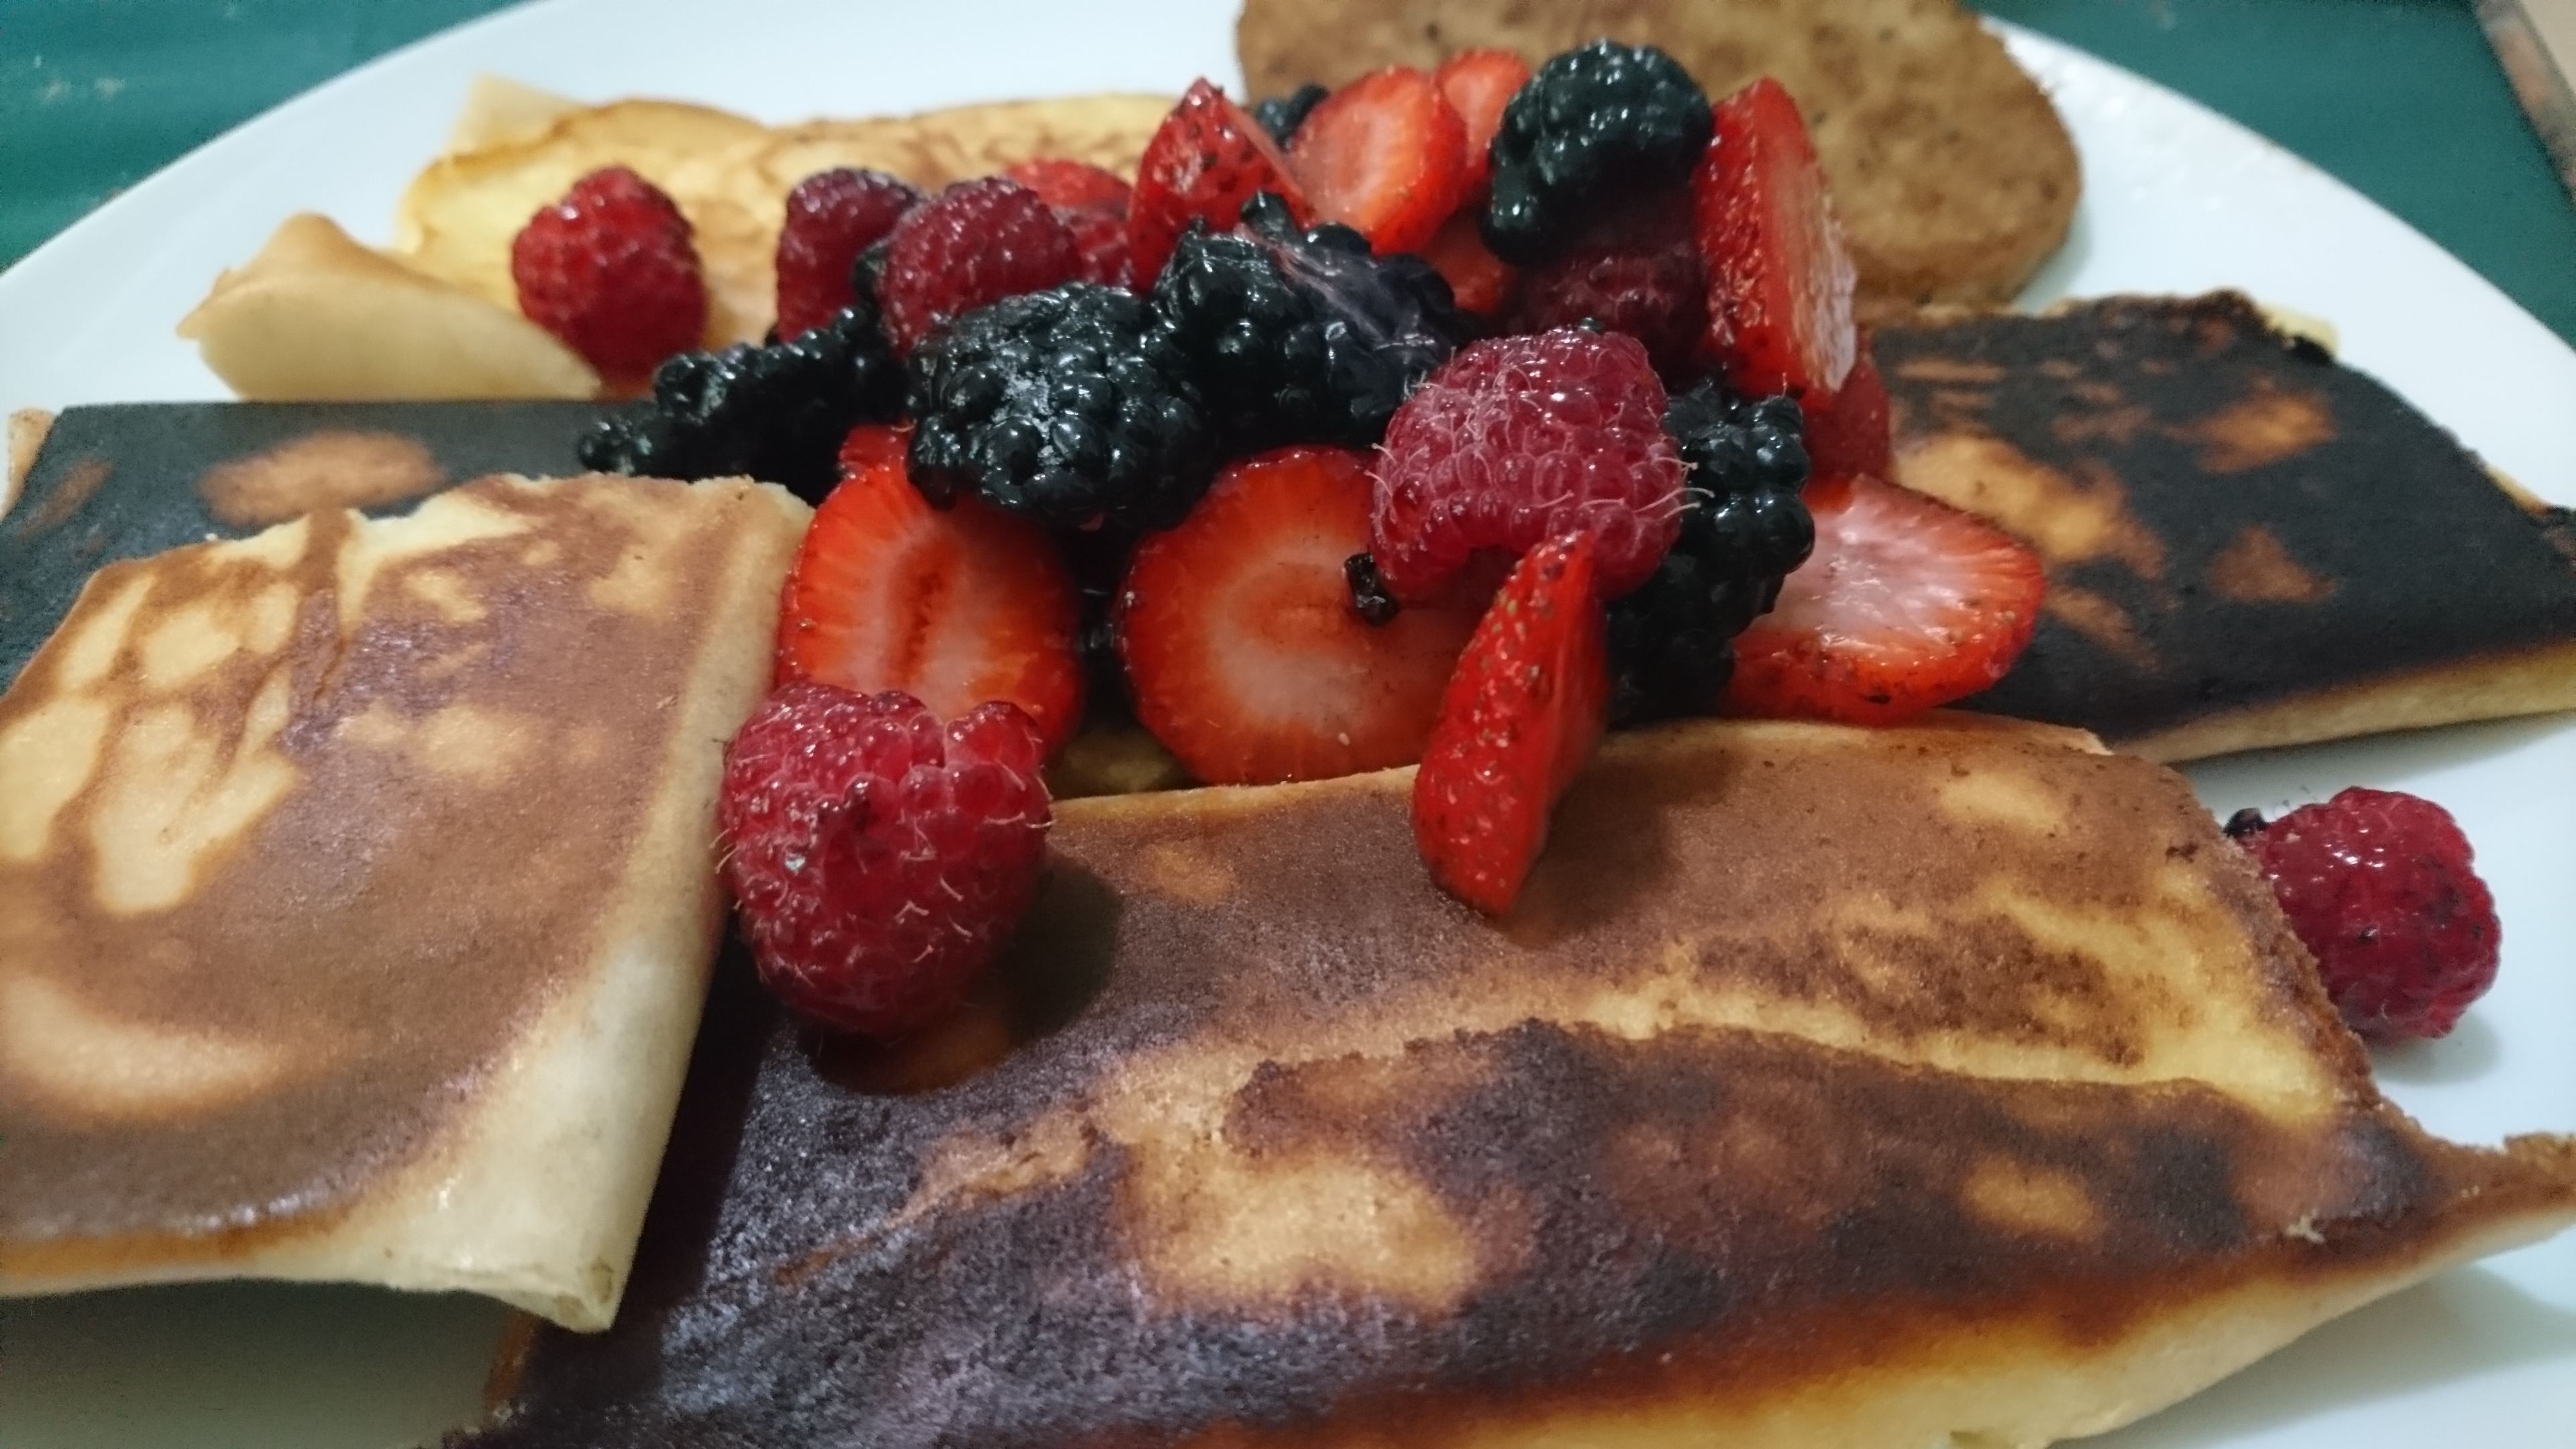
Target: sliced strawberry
x,y
1482,282
1092,204
1205,160
1906,603
1779,278
1478,84
1520,716
1246,656
1385,156
952,606
1848,428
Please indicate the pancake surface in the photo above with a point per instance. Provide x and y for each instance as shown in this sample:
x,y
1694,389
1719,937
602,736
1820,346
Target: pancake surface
x,y
2248,544
355,906
1831,1087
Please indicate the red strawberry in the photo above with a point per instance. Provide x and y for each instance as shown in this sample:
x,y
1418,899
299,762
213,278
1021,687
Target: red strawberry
x,y
1779,278
1247,658
954,606
1906,603
612,270
1478,84
1091,203
971,245
1518,439
1848,428
1520,716
832,216
880,861
1204,162
1482,282
1385,156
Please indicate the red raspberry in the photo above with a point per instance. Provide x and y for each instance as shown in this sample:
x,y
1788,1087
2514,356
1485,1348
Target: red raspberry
x,y
612,271
880,862
2379,887
832,216
1519,439
1091,203
968,247
1639,273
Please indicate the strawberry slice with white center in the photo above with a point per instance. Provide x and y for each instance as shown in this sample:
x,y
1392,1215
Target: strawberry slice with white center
x,y
1907,603
1779,278
1245,653
1386,156
954,607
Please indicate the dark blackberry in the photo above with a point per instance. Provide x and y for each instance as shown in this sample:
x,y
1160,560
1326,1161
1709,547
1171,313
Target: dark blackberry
x,y
1744,527
1068,405
1594,124
1302,337
1282,115
1369,596
776,413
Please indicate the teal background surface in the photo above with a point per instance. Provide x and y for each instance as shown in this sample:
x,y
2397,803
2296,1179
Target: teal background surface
x,y
2399,98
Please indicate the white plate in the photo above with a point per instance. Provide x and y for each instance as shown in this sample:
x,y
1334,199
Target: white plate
x,y
2176,199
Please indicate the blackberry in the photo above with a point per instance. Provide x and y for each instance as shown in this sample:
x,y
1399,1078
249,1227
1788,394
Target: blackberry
x,y
1744,527
1594,124
1068,405
1369,596
1302,337
1282,115
777,412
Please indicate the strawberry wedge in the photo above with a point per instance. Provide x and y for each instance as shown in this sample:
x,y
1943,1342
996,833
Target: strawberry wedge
x,y
1779,279
1521,715
1204,162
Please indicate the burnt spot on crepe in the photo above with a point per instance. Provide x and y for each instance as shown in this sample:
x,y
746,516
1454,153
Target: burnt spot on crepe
x,y
1331,1160
2229,521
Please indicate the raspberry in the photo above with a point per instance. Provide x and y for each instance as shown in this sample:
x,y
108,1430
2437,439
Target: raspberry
x,y
832,216
2379,887
968,247
612,271
1637,273
1092,204
1520,439
880,861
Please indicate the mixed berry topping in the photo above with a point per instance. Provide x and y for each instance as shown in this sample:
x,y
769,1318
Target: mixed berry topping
x,y
1385,156
1092,204
1069,406
612,270
1204,162
1301,336
1603,123
1636,270
879,857
775,413
2382,889
832,216
1282,115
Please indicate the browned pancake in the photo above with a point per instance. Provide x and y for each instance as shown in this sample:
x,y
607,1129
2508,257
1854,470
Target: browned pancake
x,y
355,897
2248,544
1952,173
1830,1087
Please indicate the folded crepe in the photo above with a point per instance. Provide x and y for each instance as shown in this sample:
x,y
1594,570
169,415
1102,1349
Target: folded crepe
x,y
356,897
1949,1084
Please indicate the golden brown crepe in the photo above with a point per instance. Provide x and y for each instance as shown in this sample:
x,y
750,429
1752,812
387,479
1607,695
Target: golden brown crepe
x,y
1874,1089
356,902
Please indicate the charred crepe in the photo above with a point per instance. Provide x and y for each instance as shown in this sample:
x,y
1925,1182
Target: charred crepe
x,y
1951,171
355,900
1831,1087
2247,543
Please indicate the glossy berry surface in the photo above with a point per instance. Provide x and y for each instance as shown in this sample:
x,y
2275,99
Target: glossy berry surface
x,y
1519,439
880,859
1592,125
970,246
612,270
2382,889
